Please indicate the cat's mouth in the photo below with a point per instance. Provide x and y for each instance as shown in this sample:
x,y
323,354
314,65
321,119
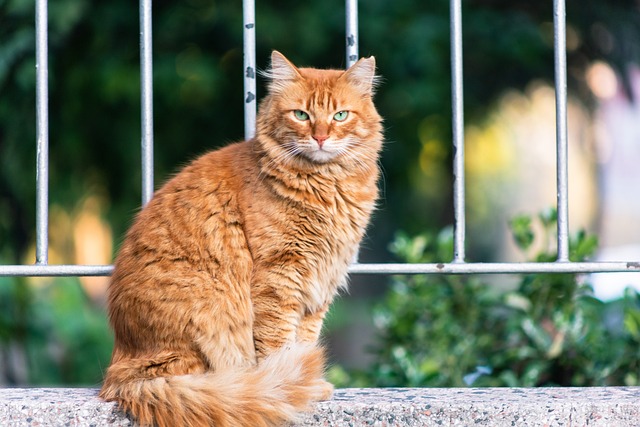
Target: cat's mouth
x,y
320,153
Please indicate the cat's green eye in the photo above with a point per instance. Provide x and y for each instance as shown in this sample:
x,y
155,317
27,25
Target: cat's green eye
x,y
340,116
300,115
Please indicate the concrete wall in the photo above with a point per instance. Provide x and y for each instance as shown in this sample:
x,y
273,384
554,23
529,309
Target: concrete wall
x,y
613,406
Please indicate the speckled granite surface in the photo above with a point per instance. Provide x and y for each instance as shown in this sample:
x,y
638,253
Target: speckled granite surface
x,y
613,406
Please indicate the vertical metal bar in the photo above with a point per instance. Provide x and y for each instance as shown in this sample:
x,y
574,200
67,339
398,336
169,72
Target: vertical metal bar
x,y
249,55
146,97
351,52
42,125
559,18
458,132
351,7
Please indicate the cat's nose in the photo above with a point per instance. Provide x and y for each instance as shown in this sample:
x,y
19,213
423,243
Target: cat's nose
x,y
320,139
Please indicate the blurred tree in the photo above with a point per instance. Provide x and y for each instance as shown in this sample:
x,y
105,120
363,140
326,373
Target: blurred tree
x,y
94,85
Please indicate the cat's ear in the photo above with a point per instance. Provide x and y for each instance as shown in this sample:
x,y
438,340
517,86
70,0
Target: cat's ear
x,y
362,75
280,72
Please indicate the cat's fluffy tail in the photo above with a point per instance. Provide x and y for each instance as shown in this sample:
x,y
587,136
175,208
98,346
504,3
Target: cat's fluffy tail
x,y
270,394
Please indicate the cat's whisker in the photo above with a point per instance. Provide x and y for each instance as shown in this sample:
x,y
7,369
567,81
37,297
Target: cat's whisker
x,y
284,152
358,156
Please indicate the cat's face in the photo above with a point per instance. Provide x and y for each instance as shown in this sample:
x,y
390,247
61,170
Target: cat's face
x,y
321,115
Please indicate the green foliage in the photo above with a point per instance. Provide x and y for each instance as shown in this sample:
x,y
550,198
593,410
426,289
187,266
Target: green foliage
x,y
547,329
51,334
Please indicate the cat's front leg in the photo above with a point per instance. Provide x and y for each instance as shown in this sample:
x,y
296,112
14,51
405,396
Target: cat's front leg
x,y
309,332
276,313
311,325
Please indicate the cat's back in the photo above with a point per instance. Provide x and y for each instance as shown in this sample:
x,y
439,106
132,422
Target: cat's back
x,y
179,223
224,168
210,179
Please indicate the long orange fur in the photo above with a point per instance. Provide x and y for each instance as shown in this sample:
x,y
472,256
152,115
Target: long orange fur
x,y
222,283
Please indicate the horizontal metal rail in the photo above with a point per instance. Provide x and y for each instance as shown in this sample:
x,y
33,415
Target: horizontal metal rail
x,y
52,270
381,268
496,268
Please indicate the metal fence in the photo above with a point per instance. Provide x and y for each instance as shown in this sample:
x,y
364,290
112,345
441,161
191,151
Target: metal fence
x,y
457,264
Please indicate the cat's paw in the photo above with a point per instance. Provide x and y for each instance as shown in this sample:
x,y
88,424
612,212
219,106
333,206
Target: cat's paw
x,y
325,390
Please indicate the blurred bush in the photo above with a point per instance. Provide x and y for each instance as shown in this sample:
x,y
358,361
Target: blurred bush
x,y
51,333
544,330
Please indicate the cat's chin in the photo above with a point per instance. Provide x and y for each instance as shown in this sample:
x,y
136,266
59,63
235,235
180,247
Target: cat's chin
x,y
320,156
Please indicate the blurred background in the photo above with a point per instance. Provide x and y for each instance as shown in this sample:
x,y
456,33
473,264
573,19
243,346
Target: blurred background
x,y
54,331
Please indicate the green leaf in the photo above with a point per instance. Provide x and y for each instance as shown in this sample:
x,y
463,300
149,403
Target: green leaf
x,y
582,246
632,323
539,336
548,217
522,231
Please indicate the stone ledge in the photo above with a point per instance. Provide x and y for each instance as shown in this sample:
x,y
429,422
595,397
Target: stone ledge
x,y
597,406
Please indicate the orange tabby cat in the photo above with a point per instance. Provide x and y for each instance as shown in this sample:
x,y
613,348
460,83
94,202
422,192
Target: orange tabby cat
x,y
222,283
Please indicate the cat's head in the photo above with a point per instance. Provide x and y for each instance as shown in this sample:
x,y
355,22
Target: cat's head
x,y
320,116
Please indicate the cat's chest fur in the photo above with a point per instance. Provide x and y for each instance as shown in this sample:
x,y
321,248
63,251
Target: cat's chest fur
x,y
310,225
